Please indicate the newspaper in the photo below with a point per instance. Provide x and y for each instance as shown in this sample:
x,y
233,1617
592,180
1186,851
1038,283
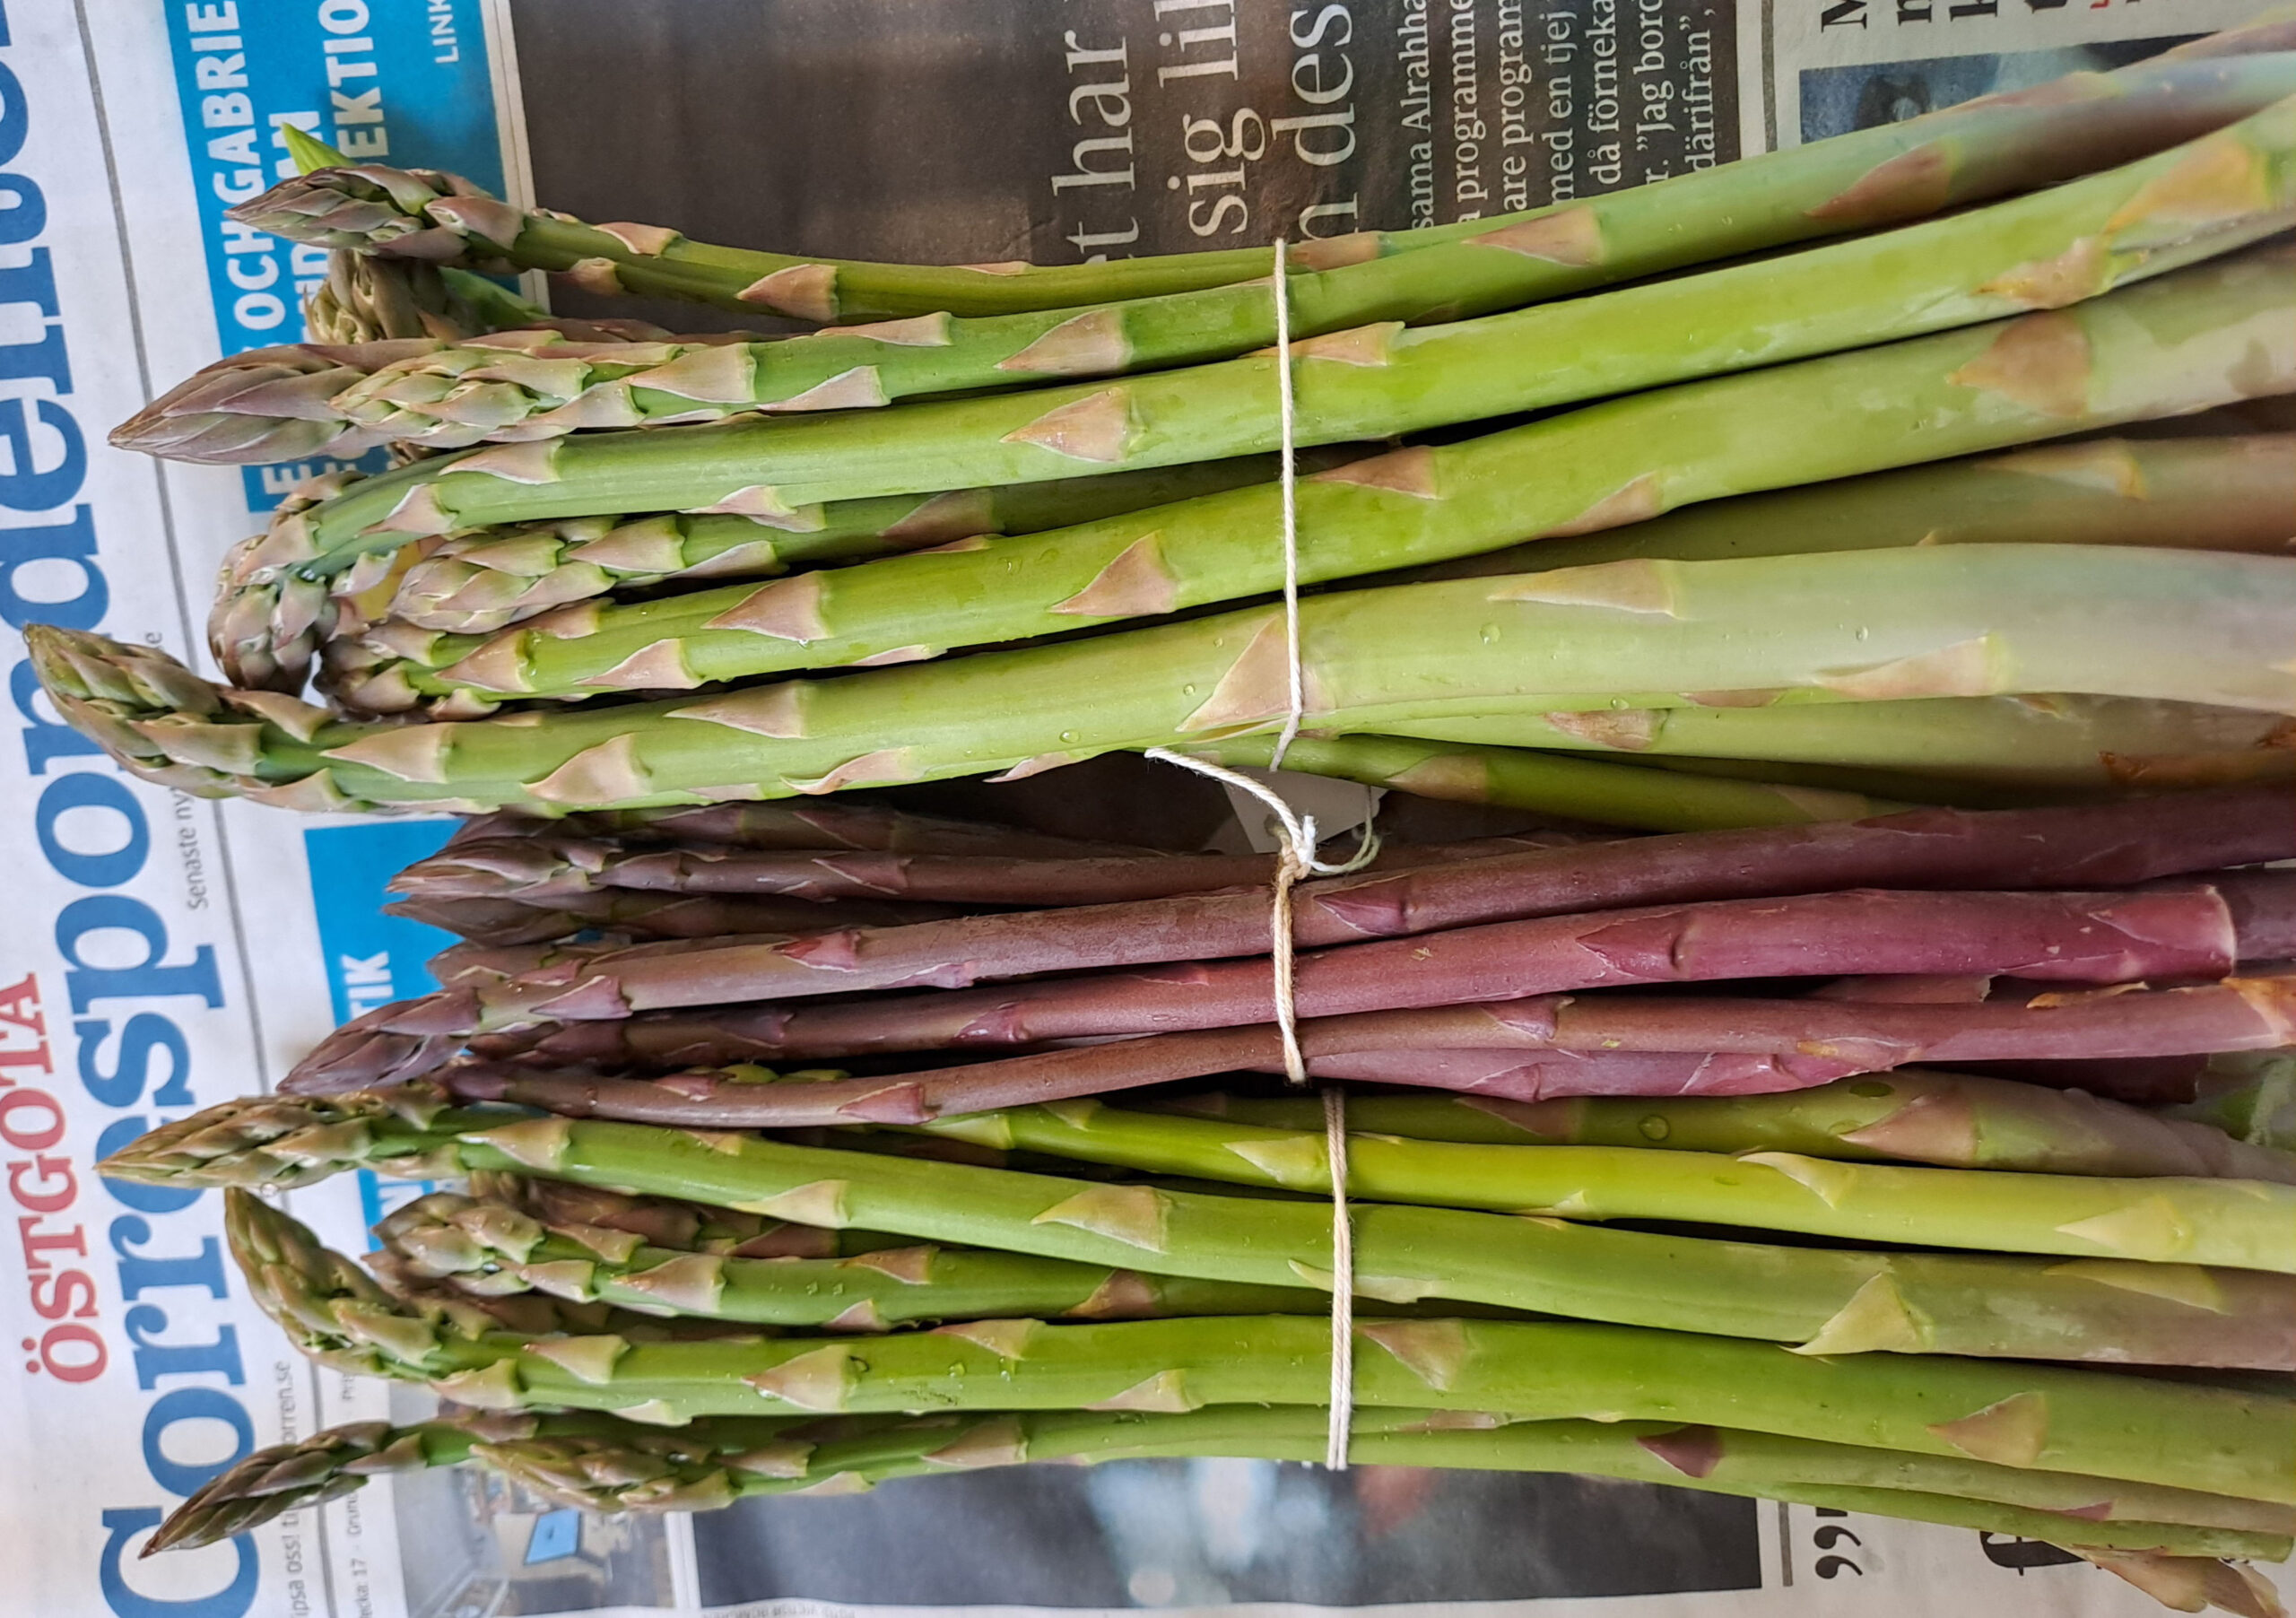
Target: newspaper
x,y
164,952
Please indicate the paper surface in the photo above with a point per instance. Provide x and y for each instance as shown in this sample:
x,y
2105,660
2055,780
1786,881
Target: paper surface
x,y
162,954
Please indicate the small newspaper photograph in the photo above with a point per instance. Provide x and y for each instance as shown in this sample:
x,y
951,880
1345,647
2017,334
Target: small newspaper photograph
x,y
280,686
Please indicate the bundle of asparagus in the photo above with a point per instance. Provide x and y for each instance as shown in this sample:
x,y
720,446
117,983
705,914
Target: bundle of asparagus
x,y
651,1314
623,514
646,1318
904,950
1966,750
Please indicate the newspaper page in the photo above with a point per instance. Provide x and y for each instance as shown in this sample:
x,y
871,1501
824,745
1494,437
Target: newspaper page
x,y
165,952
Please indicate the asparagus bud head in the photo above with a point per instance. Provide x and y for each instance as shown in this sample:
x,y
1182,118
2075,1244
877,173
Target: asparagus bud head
x,y
332,1309
266,405
373,208
284,1143
365,299
156,717
325,1466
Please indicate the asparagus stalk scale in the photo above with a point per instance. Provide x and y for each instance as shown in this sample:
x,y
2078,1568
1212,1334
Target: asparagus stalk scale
x,y
606,1464
1952,1119
2186,1584
1948,159
2052,1419
2038,253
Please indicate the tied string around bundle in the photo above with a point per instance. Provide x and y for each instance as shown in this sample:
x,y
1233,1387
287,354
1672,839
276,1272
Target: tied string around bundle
x,y
1296,857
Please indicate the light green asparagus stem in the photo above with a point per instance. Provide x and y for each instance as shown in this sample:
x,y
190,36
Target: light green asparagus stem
x,y
2179,1435
605,1465
2055,743
1908,1115
486,579
2249,1096
1826,1301
1516,777
1733,1462
458,398
2162,1218
2037,253
489,1249
1947,159
2233,493
602,1472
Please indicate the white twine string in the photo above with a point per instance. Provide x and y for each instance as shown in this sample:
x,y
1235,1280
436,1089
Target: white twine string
x,y
1342,1284
1296,844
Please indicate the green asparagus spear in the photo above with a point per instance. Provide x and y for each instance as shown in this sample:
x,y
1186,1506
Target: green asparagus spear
x,y
2164,347
2162,1218
1593,468
568,1468
1827,1302
1948,159
1897,623
1517,777
1908,1114
2145,1430
489,1249
458,398
2059,743
2230,494
2040,253
606,1464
